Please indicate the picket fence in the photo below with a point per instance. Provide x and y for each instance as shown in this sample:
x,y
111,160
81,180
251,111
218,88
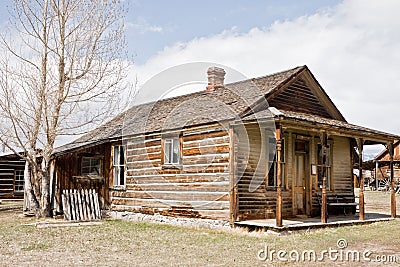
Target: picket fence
x,y
81,205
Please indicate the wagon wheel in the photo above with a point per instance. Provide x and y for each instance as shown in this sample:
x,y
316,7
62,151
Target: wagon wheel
x,y
385,184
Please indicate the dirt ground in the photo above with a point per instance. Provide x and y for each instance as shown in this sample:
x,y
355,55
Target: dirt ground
x,y
123,243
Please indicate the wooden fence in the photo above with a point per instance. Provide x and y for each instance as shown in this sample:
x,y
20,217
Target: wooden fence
x,y
81,205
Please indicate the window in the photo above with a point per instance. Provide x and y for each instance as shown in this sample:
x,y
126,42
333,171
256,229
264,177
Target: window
x,y
320,166
19,181
91,166
172,151
119,165
272,174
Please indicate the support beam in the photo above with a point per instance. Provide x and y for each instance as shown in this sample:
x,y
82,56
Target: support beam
x,y
360,145
233,178
279,176
392,193
324,207
376,174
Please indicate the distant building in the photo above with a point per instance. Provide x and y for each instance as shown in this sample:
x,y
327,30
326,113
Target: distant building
x,y
11,176
382,161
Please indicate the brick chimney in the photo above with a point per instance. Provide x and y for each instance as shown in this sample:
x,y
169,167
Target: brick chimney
x,y
216,77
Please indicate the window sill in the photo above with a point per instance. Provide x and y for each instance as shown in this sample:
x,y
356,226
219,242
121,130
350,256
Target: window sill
x,y
88,177
118,188
172,167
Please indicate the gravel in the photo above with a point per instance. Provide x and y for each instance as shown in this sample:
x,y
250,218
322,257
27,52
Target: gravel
x,y
175,221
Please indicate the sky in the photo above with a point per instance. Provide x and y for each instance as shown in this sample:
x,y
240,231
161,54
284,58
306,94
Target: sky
x,y
352,46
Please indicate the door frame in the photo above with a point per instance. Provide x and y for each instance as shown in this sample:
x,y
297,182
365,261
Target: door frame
x,y
303,149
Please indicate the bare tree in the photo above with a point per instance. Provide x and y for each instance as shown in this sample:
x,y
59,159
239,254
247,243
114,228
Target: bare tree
x,y
62,71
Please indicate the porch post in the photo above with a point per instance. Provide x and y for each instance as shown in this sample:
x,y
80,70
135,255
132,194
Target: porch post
x,y
324,144
360,144
376,173
232,177
278,177
392,193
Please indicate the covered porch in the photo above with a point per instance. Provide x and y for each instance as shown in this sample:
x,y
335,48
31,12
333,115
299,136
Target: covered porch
x,y
377,209
311,169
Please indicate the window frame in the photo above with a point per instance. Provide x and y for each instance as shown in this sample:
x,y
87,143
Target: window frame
x,y
173,142
119,166
272,179
18,182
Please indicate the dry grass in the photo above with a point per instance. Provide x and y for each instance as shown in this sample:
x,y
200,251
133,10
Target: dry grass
x,y
121,243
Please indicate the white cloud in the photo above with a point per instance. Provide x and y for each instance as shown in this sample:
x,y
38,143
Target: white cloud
x,y
142,26
352,49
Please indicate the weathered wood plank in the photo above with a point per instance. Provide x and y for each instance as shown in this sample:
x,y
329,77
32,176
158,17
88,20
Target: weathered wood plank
x,y
199,136
177,178
206,142
206,150
190,186
144,144
144,157
153,203
174,195
80,205
97,205
205,159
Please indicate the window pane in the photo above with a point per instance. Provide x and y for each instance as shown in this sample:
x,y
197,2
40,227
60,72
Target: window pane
x,y
121,175
91,166
121,155
175,151
116,175
320,166
167,151
172,151
272,175
271,162
119,165
19,181
116,155
271,149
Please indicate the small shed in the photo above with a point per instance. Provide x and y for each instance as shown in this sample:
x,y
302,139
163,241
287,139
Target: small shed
x,y
382,165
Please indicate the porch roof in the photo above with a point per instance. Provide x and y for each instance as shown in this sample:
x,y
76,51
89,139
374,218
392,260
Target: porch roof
x,y
304,120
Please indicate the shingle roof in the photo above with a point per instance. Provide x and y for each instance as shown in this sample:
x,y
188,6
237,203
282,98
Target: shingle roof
x,y
333,123
187,110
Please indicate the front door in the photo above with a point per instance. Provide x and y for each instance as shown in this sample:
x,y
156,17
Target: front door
x,y
300,180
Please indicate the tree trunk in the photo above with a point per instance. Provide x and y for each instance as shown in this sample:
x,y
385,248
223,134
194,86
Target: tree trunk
x,y
45,189
31,203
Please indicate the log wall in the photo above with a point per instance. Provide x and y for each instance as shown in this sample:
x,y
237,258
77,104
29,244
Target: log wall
x,y
8,167
256,202
199,187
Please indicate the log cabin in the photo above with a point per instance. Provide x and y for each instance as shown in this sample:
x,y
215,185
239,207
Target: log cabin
x,y
11,176
267,147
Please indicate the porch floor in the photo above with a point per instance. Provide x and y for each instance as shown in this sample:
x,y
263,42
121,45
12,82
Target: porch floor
x,y
301,223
